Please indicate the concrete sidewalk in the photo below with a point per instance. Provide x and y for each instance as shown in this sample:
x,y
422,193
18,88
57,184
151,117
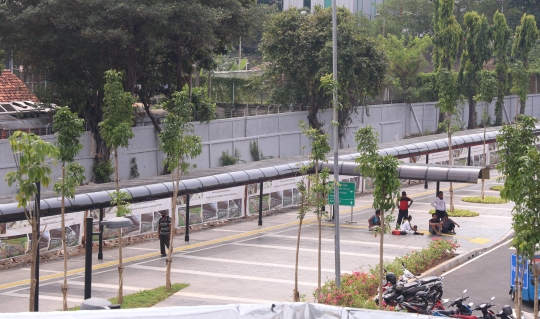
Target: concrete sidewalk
x,y
245,263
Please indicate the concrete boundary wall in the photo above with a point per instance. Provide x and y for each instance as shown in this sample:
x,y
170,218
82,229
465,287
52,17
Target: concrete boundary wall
x,y
277,135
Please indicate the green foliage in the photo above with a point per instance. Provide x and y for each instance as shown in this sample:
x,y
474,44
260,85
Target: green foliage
x,y
485,200
447,35
299,51
476,52
69,128
120,199
406,17
117,112
501,37
134,169
102,171
497,188
31,155
520,84
357,289
525,38
406,58
203,109
230,159
458,212
383,170
487,86
449,97
427,87
245,90
177,139
255,152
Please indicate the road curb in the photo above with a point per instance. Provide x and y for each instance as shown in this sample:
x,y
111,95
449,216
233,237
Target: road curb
x,y
464,257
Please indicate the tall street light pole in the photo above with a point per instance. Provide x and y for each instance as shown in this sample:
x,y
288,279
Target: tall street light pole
x,y
335,123
501,2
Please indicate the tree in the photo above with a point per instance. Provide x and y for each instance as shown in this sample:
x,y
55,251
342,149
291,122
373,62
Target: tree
x,y
31,155
519,166
384,172
407,17
487,89
297,47
448,101
476,52
520,85
304,204
116,132
501,36
446,43
319,188
406,59
179,143
524,40
69,128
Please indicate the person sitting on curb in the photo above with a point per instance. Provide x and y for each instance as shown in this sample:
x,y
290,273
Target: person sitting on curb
x,y
407,229
448,225
435,225
375,221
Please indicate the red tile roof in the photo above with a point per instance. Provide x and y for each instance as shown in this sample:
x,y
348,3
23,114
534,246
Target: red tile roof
x,y
12,89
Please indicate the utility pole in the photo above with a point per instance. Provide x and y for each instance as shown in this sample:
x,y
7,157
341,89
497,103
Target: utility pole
x,y
336,146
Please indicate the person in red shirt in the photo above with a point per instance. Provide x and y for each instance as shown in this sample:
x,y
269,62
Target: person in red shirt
x,y
403,204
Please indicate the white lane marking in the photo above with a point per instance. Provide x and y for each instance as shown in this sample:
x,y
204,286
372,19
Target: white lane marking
x,y
312,250
227,276
53,271
470,261
140,248
224,298
41,296
95,284
230,230
244,262
359,243
512,248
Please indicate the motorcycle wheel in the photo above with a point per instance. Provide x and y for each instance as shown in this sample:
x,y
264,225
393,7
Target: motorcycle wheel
x,y
513,294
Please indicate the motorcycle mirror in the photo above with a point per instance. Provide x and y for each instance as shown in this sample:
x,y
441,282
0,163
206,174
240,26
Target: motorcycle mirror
x,y
445,300
492,298
471,304
464,291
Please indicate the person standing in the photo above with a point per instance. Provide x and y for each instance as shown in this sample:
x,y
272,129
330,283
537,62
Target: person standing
x,y
440,205
403,203
164,232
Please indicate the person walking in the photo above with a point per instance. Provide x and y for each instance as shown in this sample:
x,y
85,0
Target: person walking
x,y
439,204
403,203
164,232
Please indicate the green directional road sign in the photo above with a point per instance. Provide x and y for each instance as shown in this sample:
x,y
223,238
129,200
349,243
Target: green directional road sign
x,y
346,193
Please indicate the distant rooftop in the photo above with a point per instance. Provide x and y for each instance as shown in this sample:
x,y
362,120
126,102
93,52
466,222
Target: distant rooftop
x,y
12,89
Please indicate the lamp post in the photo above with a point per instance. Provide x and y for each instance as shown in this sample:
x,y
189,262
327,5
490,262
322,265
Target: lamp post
x,y
501,2
336,146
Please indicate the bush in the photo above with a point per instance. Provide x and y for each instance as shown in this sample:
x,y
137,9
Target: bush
x,y
486,200
459,213
497,188
102,171
358,289
228,159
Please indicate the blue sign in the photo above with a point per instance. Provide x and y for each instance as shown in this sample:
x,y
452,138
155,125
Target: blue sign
x,y
524,270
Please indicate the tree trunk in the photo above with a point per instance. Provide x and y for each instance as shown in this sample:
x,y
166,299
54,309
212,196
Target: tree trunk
x,y
484,153
536,274
296,293
176,179
472,113
312,117
120,268
179,69
150,115
442,118
517,285
450,159
209,83
34,251
381,260
116,167
319,220
64,245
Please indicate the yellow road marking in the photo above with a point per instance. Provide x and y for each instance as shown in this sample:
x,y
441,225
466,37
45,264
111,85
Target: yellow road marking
x,y
210,242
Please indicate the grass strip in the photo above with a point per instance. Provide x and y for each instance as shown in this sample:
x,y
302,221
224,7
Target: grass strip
x,y
486,200
145,298
497,188
459,213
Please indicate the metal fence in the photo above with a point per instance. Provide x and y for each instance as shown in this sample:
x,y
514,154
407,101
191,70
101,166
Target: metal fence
x,y
45,130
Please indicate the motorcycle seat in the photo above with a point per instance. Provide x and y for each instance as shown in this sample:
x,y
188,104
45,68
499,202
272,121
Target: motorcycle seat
x,y
429,279
411,284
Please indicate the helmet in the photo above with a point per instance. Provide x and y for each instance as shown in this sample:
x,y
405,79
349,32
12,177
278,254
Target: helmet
x,y
507,310
400,286
390,277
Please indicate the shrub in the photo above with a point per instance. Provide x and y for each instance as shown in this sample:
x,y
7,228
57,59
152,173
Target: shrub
x,y
486,200
357,289
459,213
102,171
228,159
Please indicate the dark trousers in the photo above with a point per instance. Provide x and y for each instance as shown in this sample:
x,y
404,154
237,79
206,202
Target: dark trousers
x,y
401,216
448,228
163,241
440,213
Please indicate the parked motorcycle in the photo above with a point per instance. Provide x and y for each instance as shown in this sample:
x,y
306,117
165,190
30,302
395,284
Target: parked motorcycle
x,y
461,309
393,288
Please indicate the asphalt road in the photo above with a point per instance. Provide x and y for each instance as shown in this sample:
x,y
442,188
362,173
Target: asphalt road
x,y
485,276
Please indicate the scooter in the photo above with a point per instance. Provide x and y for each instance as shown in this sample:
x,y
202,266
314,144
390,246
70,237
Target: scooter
x,y
486,312
508,313
462,309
